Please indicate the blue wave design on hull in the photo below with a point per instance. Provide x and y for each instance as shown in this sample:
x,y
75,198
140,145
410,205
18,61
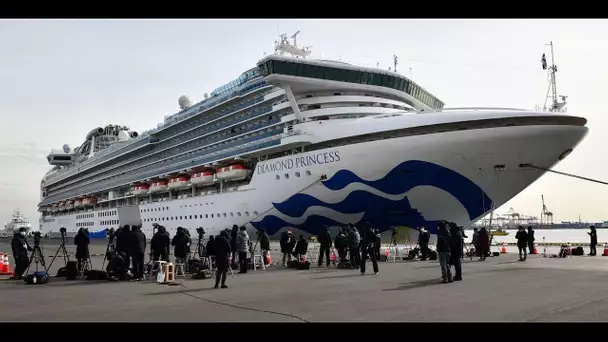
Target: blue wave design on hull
x,y
100,234
381,212
411,174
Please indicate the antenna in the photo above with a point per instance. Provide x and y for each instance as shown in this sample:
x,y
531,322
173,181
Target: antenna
x,y
411,74
556,106
395,62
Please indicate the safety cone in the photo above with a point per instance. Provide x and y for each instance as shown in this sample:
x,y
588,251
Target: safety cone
x,y
6,268
605,250
535,251
503,250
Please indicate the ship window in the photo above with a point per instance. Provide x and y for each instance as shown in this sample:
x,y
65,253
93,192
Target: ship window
x,y
287,176
231,214
277,177
238,214
255,213
218,215
207,215
211,215
191,217
195,217
181,217
224,214
308,172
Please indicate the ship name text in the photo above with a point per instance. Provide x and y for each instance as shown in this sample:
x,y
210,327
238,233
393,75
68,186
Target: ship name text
x,y
298,162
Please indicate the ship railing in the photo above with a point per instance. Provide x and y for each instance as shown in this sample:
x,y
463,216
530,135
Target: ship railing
x,y
449,109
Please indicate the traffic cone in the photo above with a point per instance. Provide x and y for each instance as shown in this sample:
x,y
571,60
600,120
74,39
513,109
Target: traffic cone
x,y
6,267
605,250
503,250
535,251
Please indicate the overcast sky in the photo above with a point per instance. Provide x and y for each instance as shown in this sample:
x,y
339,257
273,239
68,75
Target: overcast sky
x,y
61,78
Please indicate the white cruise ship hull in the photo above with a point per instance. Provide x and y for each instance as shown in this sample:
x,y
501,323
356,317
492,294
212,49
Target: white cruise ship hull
x,y
408,181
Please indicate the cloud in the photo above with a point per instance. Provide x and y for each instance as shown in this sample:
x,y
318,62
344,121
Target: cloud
x,y
23,152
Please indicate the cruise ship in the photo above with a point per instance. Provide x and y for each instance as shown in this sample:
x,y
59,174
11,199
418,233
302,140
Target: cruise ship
x,y
300,143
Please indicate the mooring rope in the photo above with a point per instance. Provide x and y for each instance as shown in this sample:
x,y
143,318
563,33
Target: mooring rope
x,y
563,173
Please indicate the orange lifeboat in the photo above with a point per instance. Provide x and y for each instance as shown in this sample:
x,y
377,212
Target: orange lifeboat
x,y
69,205
61,206
140,189
233,172
157,186
178,182
201,178
77,203
89,201
54,208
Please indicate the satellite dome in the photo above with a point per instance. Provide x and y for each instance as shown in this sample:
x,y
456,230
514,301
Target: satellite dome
x,y
184,102
66,148
123,135
206,96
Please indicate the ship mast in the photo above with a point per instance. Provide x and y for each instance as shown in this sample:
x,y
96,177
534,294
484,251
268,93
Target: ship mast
x,y
555,106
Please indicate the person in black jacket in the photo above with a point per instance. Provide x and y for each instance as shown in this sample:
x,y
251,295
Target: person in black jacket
x,y
123,236
377,243
367,247
20,248
160,244
287,242
522,243
301,247
354,241
325,242
188,250
456,246
233,236
341,244
423,242
210,248
443,249
222,250
81,240
531,239
180,242
593,236
264,245
138,251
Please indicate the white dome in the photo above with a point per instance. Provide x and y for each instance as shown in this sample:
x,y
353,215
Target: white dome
x,y
123,135
184,102
66,148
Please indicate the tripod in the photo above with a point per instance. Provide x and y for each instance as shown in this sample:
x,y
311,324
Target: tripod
x,y
109,249
84,266
200,247
66,256
38,257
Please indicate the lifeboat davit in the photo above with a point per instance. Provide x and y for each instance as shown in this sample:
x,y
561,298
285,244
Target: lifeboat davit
x,y
69,205
158,186
178,182
233,172
61,206
77,203
205,177
54,208
140,189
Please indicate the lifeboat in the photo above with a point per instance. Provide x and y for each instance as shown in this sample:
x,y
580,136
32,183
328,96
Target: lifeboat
x,y
158,186
69,205
233,172
205,177
140,189
77,203
61,206
88,201
178,182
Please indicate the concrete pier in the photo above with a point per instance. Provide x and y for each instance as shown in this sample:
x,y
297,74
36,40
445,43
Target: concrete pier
x,y
499,289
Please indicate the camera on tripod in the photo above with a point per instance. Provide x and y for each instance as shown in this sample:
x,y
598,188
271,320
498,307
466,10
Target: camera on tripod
x,y
200,231
37,237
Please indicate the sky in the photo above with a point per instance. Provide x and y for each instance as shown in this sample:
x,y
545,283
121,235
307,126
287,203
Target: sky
x,y
61,78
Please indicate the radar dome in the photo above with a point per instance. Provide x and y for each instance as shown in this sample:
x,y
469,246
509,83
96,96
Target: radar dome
x,y
123,135
184,102
206,96
66,148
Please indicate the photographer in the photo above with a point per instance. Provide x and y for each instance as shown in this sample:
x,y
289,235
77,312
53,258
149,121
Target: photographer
x,y
180,243
20,248
264,244
123,236
160,244
138,252
81,240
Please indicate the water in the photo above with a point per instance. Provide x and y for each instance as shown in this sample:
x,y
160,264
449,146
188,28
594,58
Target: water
x,y
551,236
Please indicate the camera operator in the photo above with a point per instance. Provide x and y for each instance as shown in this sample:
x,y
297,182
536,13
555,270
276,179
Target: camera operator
x,y
81,240
423,242
20,248
123,236
138,252
160,244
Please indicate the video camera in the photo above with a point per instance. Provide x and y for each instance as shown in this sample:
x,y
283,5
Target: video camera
x,y
200,231
62,230
37,236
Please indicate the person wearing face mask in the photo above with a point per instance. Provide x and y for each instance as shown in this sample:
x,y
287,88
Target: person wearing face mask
x,y
20,248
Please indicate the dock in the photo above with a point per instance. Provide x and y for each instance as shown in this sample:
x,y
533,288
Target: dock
x,y
499,289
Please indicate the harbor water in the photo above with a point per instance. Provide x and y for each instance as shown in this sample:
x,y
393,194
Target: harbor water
x,y
552,236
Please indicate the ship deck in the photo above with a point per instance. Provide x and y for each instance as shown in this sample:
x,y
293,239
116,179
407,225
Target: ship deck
x,y
500,289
